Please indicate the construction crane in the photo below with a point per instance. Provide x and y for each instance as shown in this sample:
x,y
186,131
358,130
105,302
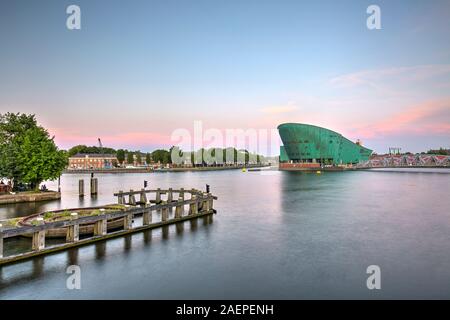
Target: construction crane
x,y
106,164
100,145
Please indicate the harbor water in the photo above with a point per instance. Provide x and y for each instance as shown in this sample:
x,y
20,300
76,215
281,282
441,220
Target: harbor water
x,y
276,235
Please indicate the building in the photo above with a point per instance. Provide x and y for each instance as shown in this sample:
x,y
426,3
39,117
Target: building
x,y
308,146
92,161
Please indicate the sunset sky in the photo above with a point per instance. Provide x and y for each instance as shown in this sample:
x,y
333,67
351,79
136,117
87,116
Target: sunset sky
x,y
138,70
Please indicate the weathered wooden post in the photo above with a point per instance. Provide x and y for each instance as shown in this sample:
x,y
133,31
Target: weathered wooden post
x,y
193,207
211,199
147,217
73,231
158,196
94,186
81,188
205,205
143,198
120,198
181,194
38,241
164,213
170,196
179,209
101,227
128,222
131,198
1,241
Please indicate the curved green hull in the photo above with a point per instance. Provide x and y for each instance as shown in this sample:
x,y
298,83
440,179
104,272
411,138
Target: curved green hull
x,y
308,143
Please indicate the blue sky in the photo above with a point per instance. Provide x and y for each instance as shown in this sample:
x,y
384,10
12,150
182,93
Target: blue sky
x,y
135,72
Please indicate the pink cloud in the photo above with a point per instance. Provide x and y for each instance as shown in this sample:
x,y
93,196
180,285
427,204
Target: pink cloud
x,y
431,117
121,140
375,78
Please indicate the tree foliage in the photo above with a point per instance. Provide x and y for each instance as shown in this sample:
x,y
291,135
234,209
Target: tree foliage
x,y
120,155
89,150
138,158
27,153
162,156
130,157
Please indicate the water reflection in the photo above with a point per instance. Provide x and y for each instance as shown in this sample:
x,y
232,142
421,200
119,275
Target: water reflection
x,y
100,249
72,256
287,235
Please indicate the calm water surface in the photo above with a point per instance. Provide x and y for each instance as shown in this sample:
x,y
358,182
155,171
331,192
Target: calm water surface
x,y
276,235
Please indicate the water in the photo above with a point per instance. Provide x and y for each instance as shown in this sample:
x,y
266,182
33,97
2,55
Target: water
x,y
276,235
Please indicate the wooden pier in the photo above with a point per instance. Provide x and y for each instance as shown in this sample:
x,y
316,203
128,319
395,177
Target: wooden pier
x,y
178,205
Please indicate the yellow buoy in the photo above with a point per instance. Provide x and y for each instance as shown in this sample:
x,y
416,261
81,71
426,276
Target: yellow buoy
x,y
318,172
244,170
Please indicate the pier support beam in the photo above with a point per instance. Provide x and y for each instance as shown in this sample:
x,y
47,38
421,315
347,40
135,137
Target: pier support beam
x,y
73,232
1,246
211,203
170,196
205,205
179,209
128,222
158,196
143,197
101,228
193,207
181,194
81,188
164,214
131,199
120,198
38,240
94,186
147,218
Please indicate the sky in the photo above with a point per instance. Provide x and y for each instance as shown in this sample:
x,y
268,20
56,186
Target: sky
x,y
137,71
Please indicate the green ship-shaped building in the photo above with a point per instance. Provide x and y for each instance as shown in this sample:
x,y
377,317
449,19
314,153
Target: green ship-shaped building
x,y
307,145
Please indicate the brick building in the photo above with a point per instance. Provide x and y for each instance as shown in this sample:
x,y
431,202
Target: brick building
x,y
92,161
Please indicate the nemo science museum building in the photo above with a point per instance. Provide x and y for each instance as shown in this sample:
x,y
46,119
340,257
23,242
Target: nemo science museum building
x,y
308,147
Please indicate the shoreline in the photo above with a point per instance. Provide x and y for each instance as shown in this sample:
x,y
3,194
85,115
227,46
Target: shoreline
x,y
148,170
29,197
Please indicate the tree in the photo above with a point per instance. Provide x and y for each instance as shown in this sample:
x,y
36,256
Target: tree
x,y
130,158
138,158
162,156
148,158
120,156
27,153
89,150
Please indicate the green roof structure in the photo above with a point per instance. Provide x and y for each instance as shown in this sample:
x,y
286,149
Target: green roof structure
x,y
303,143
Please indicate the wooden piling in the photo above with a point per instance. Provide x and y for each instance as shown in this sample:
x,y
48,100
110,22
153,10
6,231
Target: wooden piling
x,y
205,203
131,199
120,198
147,218
73,231
179,209
170,196
100,227
193,207
143,197
128,222
94,186
1,245
158,196
164,213
81,188
181,194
